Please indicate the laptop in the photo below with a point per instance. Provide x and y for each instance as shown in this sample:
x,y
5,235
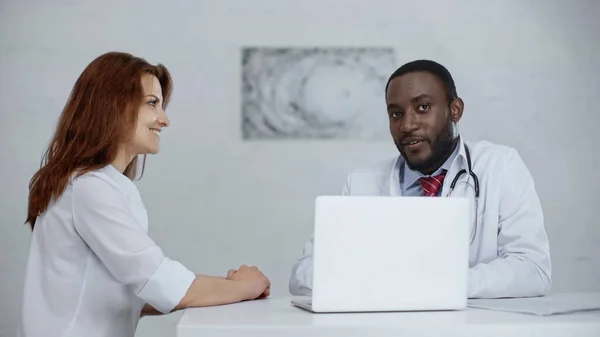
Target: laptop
x,y
378,254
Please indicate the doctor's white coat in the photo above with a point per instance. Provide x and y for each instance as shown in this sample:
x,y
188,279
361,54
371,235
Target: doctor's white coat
x,y
510,256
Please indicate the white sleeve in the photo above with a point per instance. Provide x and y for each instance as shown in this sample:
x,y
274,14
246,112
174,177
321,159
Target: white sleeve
x,y
302,270
522,268
104,220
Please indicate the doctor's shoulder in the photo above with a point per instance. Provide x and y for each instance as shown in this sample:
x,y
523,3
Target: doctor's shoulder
x,y
370,178
491,157
382,167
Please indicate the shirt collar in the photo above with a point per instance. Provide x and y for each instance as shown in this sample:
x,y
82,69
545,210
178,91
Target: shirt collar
x,y
411,177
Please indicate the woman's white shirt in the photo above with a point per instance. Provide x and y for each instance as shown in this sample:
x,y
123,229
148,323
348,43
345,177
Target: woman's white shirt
x,y
92,265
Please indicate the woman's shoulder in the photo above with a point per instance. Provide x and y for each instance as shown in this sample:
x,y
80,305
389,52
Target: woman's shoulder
x,y
102,180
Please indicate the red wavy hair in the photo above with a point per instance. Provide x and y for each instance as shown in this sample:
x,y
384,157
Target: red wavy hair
x,y
100,114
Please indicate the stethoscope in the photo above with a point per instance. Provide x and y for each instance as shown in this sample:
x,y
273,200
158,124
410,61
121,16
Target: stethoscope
x,y
476,185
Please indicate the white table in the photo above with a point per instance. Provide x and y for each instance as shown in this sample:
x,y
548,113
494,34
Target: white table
x,y
276,317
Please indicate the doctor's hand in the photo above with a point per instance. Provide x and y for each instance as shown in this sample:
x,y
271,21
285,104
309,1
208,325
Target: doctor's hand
x,y
257,284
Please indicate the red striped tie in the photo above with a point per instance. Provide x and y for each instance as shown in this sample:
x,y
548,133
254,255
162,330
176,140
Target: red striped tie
x,y
432,185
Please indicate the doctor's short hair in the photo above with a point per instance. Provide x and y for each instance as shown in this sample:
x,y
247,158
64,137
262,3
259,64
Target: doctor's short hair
x,y
431,67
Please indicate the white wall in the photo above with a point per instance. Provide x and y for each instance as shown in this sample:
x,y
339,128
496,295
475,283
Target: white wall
x,y
527,70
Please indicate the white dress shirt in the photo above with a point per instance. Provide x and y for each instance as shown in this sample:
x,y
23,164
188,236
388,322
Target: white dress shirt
x,y
92,265
510,256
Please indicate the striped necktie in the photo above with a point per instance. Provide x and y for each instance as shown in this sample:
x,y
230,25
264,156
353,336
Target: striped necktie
x,y
432,185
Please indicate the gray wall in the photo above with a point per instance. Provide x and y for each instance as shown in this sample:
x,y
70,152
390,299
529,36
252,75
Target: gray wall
x,y
527,70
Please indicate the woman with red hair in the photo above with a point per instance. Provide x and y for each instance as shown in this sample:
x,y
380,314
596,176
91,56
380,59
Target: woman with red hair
x,y
93,270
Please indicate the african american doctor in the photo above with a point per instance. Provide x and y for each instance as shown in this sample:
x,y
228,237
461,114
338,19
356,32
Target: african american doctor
x,y
509,255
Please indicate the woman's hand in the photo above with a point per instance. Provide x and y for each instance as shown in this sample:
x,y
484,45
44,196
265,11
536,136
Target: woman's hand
x,y
258,284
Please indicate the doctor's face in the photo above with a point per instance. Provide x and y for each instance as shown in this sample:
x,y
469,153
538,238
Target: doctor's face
x,y
422,120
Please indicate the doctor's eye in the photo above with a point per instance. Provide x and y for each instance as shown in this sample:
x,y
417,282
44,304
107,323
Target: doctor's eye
x,y
395,114
423,107
152,102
